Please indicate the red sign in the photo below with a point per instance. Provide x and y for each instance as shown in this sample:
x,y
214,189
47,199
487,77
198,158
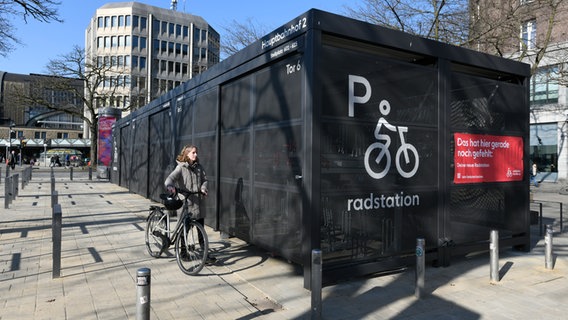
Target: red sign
x,y
486,158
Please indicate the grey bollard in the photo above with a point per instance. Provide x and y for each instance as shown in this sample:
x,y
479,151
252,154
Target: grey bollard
x,y
143,294
494,256
54,198
90,173
420,267
71,173
7,193
56,239
548,258
316,284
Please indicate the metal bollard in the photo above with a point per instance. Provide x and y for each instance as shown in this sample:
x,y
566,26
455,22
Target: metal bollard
x,y
548,258
494,256
420,267
54,198
316,284
90,173
56,239
71,173
7,193
143,294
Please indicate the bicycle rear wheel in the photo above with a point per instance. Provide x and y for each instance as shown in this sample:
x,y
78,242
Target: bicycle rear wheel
x,y
155,232
191,248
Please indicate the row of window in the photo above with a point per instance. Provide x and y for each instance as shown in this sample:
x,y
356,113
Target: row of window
x,y
122,21
140,63
121,42
163,28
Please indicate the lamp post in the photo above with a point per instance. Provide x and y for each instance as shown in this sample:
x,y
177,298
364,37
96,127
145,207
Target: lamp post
x,y
45,154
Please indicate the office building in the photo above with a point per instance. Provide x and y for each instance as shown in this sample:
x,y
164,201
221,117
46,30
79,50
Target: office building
x,y
149,50
522,30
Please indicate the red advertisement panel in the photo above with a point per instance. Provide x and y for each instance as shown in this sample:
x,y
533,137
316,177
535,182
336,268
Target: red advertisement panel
x,y
105,139
486,158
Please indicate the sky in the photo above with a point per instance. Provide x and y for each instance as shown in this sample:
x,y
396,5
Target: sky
x,y
42,42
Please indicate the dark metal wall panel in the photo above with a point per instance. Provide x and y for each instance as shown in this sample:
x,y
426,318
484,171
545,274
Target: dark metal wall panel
x,y
138,164
160,151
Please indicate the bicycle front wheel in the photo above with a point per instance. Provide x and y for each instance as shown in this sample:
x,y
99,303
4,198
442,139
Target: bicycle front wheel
x,y
191,248
156,236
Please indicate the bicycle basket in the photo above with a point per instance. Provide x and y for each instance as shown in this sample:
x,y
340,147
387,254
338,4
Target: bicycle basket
x,y
171,202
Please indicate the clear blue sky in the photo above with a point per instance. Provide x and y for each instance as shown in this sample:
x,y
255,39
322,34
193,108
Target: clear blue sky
x,y
42,42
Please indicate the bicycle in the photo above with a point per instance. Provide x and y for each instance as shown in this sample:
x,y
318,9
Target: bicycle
x,y
189,236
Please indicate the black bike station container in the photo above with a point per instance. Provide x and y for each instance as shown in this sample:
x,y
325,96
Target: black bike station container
x,y
330,133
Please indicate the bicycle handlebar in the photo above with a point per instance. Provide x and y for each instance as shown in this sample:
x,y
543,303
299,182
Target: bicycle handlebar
x,y
186,192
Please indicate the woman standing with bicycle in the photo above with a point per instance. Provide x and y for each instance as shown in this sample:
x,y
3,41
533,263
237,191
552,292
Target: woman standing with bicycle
x,y
189,174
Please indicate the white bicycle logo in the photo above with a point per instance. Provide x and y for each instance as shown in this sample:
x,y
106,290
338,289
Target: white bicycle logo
x,y
382,146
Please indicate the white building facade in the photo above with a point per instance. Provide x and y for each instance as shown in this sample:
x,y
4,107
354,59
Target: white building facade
x,y
150,50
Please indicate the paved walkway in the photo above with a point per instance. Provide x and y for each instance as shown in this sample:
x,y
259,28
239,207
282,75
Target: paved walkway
x,y
103,247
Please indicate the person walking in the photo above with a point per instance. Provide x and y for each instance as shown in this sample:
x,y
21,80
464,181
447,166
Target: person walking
x,y
534,172
12,160
190,174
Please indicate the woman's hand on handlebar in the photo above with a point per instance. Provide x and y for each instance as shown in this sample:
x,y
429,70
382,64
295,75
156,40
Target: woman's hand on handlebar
x,y
171,190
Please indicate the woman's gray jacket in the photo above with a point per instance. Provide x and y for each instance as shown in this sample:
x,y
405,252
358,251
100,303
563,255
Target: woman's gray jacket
x,y
192,178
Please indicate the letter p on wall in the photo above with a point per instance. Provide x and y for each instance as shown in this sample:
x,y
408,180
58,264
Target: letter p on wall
x,y
357,99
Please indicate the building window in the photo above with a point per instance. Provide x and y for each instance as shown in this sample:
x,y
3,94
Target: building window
x,y
121,21
134,21
544,86
100,22
528,35
127,21
196,35
156,45
113,22
143,22
134,41
544,146
164,28
164,48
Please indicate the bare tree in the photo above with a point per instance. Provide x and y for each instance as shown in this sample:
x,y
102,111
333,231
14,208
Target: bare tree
x,y
41,10
100,84
237,35
440,20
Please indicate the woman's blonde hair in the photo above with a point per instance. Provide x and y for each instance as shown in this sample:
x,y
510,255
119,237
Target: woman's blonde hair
x,y
182,156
